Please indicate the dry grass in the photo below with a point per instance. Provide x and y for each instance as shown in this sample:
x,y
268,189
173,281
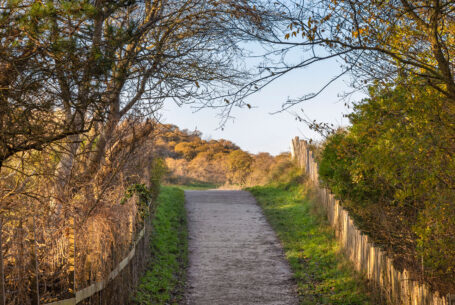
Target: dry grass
x,y
64,234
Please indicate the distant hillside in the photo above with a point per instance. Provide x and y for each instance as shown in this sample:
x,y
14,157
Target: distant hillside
x,y
190,158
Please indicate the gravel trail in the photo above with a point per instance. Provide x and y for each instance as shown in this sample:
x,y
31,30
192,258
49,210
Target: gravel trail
x,y
235,257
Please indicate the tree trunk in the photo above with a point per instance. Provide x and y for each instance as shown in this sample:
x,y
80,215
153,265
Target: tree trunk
x,y
101,145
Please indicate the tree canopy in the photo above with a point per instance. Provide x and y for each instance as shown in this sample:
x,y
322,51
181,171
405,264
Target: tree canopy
x,y
67,66
373,40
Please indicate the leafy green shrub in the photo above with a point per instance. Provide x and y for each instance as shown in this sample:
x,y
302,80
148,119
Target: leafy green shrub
x,y
144,198
239,163
158,170
147,195
394,168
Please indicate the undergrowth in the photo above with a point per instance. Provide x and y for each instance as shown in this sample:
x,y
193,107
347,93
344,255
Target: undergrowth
x,y
164,280
322,273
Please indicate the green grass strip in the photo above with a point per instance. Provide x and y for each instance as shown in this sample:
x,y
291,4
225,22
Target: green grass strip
x,y
164,281
196,186
323,274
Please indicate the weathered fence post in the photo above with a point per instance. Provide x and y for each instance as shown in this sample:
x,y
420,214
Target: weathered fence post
x,y
35,244
2,274
451,299
72,255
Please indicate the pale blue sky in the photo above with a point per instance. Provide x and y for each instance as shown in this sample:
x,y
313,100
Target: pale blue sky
x,y
256,130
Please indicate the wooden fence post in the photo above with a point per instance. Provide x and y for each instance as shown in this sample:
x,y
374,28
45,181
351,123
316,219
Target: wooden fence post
x,y
36,262
451,299
72,255
2,274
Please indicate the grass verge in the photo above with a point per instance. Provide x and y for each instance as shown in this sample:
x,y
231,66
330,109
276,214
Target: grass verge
x,y
164,281
196,186
323,274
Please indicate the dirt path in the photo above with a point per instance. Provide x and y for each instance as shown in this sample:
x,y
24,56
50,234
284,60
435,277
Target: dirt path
x,y
235,257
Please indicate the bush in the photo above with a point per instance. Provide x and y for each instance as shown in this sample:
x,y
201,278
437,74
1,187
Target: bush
x,y
394,168
158,170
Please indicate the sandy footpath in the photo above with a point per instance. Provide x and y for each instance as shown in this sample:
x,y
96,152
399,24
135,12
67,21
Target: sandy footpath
x,y
235,257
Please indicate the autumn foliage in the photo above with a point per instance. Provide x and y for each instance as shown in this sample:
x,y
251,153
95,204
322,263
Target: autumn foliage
x,y
394,170
190,158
